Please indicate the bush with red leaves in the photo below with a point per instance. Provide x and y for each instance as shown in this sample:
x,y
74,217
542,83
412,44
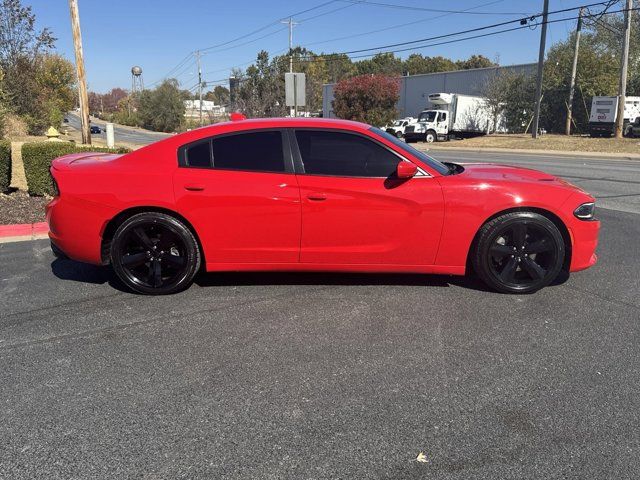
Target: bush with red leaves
x,y
368,98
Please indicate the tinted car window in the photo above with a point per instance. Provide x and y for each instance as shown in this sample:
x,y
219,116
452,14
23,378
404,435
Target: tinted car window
x,y
199,154
254,151
344,154
432,162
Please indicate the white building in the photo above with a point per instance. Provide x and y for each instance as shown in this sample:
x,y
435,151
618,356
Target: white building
x,y
209,109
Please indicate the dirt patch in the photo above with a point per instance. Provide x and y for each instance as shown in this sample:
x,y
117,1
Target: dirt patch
x,y
564,143
19,207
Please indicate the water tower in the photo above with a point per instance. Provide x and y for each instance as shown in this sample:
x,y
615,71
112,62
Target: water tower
x,y
137,83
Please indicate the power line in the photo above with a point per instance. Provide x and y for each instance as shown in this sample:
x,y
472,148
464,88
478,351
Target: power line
x,y
393,27
434,10
356,2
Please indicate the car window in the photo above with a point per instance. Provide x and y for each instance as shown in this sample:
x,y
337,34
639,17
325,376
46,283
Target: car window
x,y
432,162
344,154
250,151
199,154
254,151
443,116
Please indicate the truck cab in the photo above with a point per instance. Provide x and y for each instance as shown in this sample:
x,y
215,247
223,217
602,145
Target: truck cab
x,y
432,125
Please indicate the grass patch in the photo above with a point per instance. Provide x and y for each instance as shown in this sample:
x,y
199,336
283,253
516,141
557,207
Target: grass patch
x,y
5,165
573,143
37,158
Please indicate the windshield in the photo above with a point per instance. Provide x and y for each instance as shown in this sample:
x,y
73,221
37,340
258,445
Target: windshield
x,y
397,123
429,116
439,167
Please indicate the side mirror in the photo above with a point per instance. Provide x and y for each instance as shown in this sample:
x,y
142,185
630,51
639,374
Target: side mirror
x,y
406,169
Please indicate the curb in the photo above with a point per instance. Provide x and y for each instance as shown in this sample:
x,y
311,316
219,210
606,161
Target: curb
x,y
601,155
22,232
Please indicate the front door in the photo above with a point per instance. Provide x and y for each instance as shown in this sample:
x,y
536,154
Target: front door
x,y
240,194
353,209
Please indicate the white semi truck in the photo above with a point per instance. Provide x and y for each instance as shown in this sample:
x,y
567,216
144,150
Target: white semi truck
x,y
604,111
454,115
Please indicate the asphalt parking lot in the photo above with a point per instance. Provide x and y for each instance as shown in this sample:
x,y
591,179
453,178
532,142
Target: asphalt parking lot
x,y
324,376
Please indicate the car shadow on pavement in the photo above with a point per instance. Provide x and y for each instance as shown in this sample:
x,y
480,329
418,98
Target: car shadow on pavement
x,y
222,279
67,269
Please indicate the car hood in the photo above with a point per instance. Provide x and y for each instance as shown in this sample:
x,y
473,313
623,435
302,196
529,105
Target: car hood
x,y
495,172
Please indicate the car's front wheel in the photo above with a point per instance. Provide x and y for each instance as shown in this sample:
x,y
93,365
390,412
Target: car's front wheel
x,y
155,253
519,252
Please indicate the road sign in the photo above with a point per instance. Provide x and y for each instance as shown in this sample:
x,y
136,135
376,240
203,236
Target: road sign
x,y
294,86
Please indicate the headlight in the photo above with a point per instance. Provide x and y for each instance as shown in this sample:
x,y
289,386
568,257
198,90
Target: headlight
x,y
585,211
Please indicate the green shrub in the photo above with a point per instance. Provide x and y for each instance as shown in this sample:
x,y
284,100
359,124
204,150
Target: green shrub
x,y
5,165
37,159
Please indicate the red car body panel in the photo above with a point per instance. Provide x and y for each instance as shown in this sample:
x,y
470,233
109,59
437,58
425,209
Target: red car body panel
x,y
286,221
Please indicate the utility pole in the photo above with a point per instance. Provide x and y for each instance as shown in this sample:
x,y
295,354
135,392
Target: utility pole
x,y
199,83
572,86
291,24
543,41
82,79
624,64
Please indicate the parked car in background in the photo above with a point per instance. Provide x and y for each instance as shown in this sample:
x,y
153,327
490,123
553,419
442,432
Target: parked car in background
x,y
397,127
302,194
95,129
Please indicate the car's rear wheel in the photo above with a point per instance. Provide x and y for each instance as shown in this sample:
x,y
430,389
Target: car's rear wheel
x,y
519,252
155,253
398,134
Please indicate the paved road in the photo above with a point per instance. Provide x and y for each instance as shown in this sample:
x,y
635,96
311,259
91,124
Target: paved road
x,y
122,134
615,183
322,376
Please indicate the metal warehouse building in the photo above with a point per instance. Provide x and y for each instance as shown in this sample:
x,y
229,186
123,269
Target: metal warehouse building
x,y
415,89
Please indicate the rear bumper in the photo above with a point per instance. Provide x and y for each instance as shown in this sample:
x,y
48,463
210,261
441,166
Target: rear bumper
x,y
76,227
601,127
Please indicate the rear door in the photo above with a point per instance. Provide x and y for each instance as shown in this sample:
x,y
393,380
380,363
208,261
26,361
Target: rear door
x,y
354,211
239,192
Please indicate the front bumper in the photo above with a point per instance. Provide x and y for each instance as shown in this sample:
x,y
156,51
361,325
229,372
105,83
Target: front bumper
x,y
584,241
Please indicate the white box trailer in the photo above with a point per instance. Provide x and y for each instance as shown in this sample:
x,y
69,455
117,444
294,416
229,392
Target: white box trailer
x,y
454,115
604,111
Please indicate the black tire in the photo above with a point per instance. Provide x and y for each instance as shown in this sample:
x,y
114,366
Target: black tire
x,y
430,136
518,252
143,242
398,134
628,132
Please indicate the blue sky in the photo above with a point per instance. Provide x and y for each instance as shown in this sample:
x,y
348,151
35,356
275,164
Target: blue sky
x,y
158,34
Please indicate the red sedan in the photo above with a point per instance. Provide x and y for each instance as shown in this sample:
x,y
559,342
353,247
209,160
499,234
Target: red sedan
x,y
313,194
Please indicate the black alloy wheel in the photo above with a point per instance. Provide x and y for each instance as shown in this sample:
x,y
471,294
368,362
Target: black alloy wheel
x,y
155,253
519,252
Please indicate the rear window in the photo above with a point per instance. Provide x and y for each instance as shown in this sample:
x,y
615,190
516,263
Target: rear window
x,y
250,151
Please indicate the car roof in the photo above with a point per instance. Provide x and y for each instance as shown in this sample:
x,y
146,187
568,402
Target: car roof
x,y
290,122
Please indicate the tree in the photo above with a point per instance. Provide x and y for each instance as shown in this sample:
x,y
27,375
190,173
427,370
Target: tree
x,y
417,64
511,95
475,61
162,109
219,95
381,63
261,90
18,37
368,98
